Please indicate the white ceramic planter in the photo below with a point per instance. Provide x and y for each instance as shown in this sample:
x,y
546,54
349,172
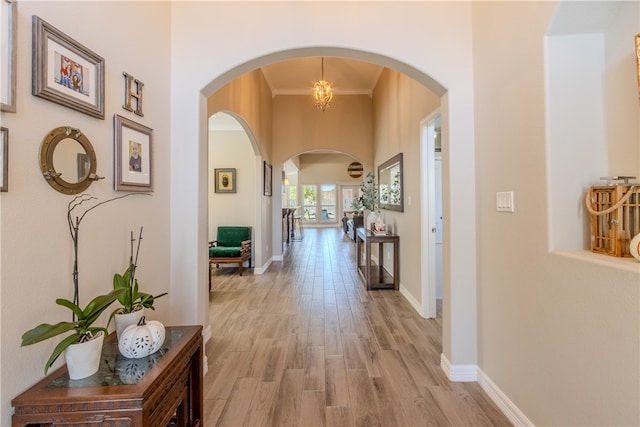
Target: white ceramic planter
x,y
123,321
83,360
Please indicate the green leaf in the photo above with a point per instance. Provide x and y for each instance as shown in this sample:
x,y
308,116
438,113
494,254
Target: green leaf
x,y
62,346
71,306
101,303
46,331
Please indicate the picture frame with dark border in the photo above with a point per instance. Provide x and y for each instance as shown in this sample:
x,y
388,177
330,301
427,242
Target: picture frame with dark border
x,y
268,178
66,72
8,59
4,161
133,146
225,180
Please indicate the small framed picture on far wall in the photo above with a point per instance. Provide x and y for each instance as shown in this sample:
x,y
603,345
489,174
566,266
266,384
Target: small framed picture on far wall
x,y
225,180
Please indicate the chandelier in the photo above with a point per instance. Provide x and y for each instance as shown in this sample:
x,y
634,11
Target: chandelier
x,y
322,92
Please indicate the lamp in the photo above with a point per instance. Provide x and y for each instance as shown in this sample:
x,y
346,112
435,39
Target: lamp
x,y
322,92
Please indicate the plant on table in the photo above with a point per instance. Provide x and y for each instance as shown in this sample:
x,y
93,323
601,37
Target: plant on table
x,y
132,299
368,195
82,326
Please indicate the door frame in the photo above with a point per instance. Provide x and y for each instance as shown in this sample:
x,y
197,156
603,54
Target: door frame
x,y
428,215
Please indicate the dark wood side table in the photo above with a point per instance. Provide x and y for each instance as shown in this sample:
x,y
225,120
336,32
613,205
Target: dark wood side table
x,y
152,391
376,276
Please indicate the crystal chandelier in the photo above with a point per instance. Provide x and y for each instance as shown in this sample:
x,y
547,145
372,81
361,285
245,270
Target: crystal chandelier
x,y
322,92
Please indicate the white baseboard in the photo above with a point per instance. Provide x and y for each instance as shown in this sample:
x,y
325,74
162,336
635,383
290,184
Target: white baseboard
x,y
458,373
467,373
414,302
206,335
261,270
509,409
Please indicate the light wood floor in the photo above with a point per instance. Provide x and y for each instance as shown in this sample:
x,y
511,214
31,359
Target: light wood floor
x,y
306,345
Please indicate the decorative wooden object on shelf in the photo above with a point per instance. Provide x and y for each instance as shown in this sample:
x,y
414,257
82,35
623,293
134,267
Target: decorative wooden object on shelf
x,y
376,276
162,388
615,218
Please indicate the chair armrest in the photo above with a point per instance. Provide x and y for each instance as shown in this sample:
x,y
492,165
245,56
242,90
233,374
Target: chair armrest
x,y
246,246
213,243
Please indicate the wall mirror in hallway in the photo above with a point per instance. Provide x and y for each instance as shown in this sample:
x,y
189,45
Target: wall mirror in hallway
x,y
390,184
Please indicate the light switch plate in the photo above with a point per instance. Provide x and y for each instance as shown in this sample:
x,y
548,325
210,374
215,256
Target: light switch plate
x,y
504,201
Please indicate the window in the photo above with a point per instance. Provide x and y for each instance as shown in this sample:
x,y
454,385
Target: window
x,y
328,202
291,196
309,203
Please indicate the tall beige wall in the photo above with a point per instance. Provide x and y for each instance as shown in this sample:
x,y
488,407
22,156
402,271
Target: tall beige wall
x,y
346,127
558,335
399,105
37,256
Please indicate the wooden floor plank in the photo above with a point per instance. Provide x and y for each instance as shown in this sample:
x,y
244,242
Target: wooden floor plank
x,y
305,344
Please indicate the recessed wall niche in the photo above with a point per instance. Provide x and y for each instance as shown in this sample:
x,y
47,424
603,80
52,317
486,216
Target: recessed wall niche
x,y
592,110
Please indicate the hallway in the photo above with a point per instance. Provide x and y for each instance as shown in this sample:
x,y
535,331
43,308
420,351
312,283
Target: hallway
x,y
306,345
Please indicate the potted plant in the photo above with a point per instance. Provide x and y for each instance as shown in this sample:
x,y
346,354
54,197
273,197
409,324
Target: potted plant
x,y
132,301
367,200
85,336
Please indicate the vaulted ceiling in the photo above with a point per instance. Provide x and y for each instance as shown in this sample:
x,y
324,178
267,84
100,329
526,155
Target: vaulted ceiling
x,y
297,76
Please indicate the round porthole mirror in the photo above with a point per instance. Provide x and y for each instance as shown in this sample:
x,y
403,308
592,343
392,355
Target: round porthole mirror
x,y
67,160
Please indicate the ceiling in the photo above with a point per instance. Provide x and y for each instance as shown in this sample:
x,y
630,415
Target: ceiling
x,y
297,76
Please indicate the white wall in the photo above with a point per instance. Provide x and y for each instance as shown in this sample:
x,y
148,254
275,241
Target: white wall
x,y
36,247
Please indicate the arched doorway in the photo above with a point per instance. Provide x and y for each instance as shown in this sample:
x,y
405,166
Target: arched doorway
x,y
458,208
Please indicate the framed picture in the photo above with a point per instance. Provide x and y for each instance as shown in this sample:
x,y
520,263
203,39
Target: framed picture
x,y
8,49
4,159
133,154
267,179
66,72
225,180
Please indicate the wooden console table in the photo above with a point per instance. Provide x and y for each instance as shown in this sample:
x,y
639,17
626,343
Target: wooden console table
x,y
376,276
155,391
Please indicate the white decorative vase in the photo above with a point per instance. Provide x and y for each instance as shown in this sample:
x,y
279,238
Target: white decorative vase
x,y
83,359
123,321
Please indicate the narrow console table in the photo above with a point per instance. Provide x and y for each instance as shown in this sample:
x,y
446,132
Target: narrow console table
x,y
376,276
162,389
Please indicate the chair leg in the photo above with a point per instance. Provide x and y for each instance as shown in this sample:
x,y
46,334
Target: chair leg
x,y
240,267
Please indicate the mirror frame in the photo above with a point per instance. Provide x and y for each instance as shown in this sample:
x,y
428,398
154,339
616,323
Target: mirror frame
x,y
47,149
394,161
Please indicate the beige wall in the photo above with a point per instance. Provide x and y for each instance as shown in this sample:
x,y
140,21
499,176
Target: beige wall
x,y
299,127
399,106
36,247
558,335
248,99
325,168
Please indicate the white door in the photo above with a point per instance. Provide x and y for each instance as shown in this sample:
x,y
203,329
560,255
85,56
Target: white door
x,y
431,192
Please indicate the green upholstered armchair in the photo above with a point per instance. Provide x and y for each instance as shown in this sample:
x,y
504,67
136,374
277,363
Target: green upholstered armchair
x,y
232,246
